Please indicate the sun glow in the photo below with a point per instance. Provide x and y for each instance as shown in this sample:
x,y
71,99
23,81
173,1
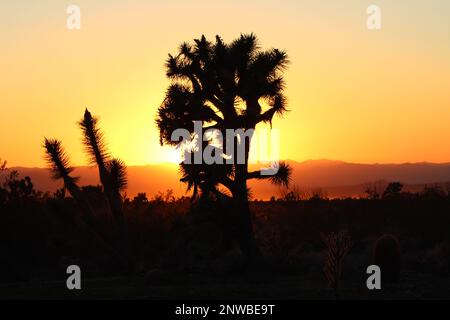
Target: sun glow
x,y
173,155
347,93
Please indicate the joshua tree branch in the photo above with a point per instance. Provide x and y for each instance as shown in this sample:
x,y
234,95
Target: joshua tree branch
x,y
216,118
280,177
256,175
227,182
266,116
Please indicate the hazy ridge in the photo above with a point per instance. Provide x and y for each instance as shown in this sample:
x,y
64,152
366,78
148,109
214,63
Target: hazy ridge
x,y
336,178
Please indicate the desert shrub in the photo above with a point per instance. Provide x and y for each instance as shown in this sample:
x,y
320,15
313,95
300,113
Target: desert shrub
x,y
337,246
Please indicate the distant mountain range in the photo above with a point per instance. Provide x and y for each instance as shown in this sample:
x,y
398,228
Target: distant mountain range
x,y
335,178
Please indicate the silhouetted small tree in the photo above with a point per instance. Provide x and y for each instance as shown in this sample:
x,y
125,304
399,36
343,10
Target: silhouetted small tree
x,y
393,190
433,193
140,198
291,194
16,189
372,193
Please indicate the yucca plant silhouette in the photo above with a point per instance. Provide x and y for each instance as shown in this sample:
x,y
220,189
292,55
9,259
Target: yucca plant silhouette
x,y
59,164
112,172
337,246
225,86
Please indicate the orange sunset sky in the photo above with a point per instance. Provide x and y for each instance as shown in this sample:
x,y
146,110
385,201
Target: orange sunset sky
x,y
354,94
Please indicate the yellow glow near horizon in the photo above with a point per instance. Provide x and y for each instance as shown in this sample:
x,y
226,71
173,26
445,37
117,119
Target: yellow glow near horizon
x,y
354,95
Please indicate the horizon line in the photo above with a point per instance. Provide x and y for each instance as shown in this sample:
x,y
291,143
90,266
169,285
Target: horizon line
x,y
168,163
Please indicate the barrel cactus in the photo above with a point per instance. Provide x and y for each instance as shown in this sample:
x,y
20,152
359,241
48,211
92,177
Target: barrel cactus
x,y
386,255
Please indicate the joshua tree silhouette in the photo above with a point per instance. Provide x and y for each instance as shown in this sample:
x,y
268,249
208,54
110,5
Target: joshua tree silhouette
x,y
112,172
59,165
226,86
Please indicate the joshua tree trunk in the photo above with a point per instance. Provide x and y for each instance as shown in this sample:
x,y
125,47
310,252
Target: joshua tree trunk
x,y
88,213
243,226
242,216
115,204
114,201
